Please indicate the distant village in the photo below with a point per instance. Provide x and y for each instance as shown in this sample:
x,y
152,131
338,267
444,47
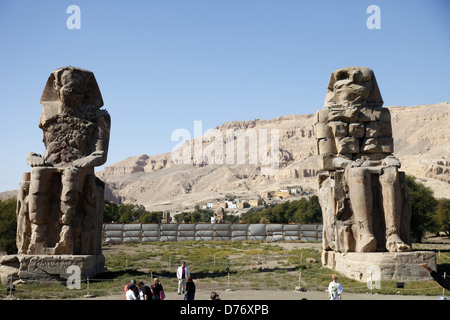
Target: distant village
x,y
281,193
236,206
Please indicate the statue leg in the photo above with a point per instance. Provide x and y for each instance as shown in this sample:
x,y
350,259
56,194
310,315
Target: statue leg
x,y
361,199
72,186
90,212
23,216
392,205
39,207
327,204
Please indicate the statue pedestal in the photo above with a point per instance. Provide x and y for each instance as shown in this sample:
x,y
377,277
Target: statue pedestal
x,y
49,267
384,265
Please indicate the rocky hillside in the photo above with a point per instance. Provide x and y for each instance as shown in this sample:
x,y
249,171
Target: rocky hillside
x,y
217,165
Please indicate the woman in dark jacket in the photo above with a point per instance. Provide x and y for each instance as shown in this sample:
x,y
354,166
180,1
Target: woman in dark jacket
x,y
156,289
190,289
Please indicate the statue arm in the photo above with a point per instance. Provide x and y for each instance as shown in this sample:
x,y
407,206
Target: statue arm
x,y
331,162
391,161
341,163
35,160
99,156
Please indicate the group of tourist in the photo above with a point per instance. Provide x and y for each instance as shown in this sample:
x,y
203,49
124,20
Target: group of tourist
x,y
139,291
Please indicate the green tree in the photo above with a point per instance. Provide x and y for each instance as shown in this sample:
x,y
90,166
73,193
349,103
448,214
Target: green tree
x,y
297,211
201,215
8,226
111,212
151,217
252,216
184,217
423,206
231,218
127,213
309,212
443,216
196,217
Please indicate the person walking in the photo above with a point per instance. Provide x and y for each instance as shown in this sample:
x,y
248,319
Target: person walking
x,y
335,289
190,288
157,290
182,273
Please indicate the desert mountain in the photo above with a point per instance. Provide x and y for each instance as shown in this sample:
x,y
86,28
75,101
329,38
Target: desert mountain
x,y
240,160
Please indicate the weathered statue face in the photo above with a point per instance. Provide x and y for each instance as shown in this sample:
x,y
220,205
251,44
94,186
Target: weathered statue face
x,y
71,91
353,86
70,87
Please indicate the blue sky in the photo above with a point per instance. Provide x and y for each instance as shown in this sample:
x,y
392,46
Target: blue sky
x,y
163,64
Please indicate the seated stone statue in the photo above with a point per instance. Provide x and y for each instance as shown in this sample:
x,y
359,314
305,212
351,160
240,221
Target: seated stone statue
x,y
60,202
363,196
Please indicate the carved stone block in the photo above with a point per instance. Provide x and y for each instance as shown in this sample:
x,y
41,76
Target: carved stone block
x,y
347,145
373,129
356,130
385,129
322,130
338,128
325,161
327,145
370,145
387,145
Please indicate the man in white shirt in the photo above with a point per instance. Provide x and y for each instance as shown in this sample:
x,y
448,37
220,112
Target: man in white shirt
x,y
182,273
335,289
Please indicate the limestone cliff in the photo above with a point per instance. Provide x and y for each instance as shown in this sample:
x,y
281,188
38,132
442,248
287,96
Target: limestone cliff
x,y
421,142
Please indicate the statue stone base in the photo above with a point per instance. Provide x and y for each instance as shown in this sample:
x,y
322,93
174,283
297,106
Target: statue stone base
x,y
390,265
49,267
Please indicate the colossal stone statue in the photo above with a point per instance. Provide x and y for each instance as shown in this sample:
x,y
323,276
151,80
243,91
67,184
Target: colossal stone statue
x,y
60,202
363,195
